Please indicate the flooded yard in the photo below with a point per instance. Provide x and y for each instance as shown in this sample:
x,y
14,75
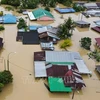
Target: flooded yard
x,y
24,86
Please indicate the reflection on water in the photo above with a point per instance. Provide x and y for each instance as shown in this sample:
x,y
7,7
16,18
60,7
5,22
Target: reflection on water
x,y
82,29
7,90
83,51
42,22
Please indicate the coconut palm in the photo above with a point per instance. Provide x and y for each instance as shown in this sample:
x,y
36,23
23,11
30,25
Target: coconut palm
x,y
65,30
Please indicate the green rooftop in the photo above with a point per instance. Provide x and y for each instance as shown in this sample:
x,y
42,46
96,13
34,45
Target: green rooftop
x,y
57,85
41,12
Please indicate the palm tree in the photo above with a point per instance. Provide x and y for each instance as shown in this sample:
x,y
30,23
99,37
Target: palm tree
x,y
65,30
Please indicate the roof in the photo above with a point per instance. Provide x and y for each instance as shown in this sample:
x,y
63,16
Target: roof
x,y
97,22
38,13
98,41
97,29
57,85
9,19
82,22
48,46
98,68
65,10
31,16
90,5
61,56
82,67
60,59
40,69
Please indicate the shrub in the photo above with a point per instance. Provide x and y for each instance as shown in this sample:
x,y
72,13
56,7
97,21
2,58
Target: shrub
x,y
85,42
47,8
1,13
66,43
5,77
78,8
2,28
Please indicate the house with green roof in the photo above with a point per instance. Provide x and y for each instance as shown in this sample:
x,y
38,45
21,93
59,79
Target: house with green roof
x,y
40,14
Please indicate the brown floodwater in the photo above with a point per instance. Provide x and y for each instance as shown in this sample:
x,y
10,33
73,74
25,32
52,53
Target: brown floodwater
x,y
24,86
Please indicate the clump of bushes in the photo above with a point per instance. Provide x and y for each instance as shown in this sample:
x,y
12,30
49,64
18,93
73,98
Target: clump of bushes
x,y
1,13
2,28
85,43
78,8
5,78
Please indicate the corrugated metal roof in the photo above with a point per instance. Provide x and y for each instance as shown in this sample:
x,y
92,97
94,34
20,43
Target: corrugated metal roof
x,y
52,35
40,69
31,16
61,56
82,67
58,56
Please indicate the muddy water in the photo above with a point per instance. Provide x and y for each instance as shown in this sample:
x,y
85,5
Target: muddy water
x,y
24,86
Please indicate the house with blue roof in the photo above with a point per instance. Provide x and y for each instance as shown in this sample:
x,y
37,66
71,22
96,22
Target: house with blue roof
x,y
9,19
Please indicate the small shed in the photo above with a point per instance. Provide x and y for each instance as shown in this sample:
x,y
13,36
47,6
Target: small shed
x,y
65,10
82,24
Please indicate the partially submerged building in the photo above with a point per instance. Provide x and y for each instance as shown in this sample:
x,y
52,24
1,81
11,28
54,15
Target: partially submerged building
x,y
62,68
40,14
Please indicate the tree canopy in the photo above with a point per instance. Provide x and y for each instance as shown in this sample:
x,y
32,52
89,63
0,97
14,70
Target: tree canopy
x,y
65,30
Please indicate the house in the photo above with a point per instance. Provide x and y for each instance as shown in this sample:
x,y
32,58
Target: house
x,y
41,59
40,14
61,68
92,12
65,10
82,24
48,34
91,6
9,19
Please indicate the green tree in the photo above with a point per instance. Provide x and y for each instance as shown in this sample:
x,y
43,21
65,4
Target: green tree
x,y
85,42
5,77
66,29
21,24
